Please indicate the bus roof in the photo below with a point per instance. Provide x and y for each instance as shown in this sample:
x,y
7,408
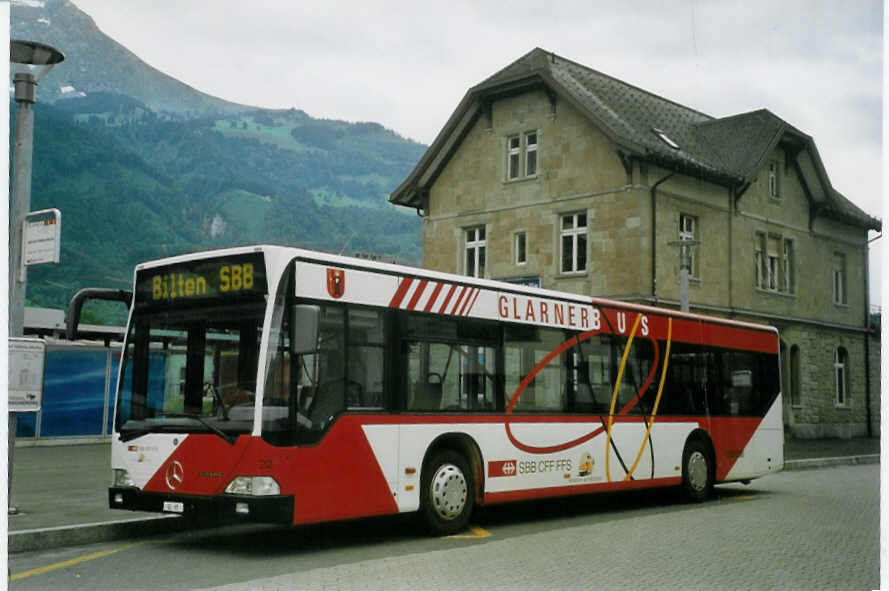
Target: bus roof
x,y
420,273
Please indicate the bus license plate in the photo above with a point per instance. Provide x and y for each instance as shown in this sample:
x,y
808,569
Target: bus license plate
x,y
173,507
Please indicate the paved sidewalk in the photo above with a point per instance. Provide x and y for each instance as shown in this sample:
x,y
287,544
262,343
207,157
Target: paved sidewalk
x,y
62,491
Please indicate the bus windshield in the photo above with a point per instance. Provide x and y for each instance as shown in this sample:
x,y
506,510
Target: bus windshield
x,y
193,363
190,361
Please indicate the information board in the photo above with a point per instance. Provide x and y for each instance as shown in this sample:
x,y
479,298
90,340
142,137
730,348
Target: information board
x,y
26,361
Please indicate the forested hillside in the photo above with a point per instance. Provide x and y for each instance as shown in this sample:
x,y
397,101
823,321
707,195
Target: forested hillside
x,y
133,186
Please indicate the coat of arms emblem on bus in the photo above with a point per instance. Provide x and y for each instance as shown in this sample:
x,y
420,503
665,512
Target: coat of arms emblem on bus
x,y
336,283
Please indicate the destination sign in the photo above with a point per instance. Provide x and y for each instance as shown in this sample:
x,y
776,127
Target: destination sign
x,y
239,275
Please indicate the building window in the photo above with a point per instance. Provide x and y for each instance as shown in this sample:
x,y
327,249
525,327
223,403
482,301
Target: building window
x,y
521,254
514,156
840,365
521,156
839,278
772,264
758,258
573,243
476,245
787,267
531,154
773,259
687,226
773,181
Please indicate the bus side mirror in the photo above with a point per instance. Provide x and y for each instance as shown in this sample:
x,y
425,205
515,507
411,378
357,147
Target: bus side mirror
x,y
304,320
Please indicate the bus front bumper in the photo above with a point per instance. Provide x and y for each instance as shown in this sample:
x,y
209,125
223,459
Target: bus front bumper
x,y
264,509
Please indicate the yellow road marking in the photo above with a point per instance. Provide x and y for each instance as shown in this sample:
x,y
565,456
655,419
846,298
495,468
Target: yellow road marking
x,y
67,563
741,498
477,533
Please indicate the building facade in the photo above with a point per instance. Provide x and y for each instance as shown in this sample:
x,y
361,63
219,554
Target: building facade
x,y
549,173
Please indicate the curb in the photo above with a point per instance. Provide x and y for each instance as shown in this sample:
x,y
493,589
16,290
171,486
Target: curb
x,y
89,533
812,463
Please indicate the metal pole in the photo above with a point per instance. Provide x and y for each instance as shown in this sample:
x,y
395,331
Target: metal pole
x,y
683,284
22,151
21,201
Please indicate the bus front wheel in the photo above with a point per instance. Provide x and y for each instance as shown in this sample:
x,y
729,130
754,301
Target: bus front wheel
x,y
447,493
697,471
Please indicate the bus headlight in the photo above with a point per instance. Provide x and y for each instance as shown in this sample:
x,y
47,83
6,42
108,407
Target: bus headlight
x,y
121,478
253,485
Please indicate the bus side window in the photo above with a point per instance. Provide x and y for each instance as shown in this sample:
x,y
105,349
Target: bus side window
x,y
450,363
591,375
330,387
686,380
366,358
424,385
526,347
450,376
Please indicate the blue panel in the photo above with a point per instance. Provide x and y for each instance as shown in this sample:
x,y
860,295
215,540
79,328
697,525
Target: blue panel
x,y
73,393
157,379
25,424
112,391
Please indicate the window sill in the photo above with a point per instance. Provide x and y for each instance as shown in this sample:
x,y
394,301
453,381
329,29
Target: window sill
x,y
841,306
571,274
842,407
522,179
781,294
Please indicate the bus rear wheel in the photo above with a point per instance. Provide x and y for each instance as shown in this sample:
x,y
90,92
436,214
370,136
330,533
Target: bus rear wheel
x,y
697,471
447,493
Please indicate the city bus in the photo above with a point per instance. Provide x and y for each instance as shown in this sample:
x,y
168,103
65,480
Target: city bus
x,y
281,385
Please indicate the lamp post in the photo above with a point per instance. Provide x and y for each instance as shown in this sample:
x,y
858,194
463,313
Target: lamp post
x,y
30,62
685,247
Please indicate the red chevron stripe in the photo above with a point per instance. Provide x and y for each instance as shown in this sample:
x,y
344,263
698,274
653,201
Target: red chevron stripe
x,y
474,297
447,299
472,292
401,292
459,300
433,297
418,293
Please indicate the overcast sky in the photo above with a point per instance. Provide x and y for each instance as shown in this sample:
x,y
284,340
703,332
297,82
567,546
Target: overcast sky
x,y
406,65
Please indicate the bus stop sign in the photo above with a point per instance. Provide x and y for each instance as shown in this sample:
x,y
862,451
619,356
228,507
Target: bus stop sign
x,y
42,237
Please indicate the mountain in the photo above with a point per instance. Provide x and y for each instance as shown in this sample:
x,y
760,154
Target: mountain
x,y
143,166
96,63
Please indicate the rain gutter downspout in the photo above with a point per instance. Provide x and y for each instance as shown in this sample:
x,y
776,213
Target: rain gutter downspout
x,y
867,326
654,236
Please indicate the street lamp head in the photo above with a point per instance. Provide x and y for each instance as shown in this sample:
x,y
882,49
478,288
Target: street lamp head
x,y
30,61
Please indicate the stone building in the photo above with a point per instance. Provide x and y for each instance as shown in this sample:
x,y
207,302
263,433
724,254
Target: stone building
x,y
550,173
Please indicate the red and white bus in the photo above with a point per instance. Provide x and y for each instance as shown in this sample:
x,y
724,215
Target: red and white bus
x,y
283,385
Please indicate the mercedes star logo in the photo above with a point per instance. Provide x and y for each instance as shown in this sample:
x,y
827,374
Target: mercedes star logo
x,y
175,474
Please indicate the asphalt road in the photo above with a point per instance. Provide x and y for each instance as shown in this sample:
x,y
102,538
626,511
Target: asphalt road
x,y
815,529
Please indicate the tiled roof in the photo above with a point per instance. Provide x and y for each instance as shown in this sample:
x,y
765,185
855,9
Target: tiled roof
x,y
729,151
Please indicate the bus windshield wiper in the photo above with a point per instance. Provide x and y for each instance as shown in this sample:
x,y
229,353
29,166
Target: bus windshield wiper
x,y
203,421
